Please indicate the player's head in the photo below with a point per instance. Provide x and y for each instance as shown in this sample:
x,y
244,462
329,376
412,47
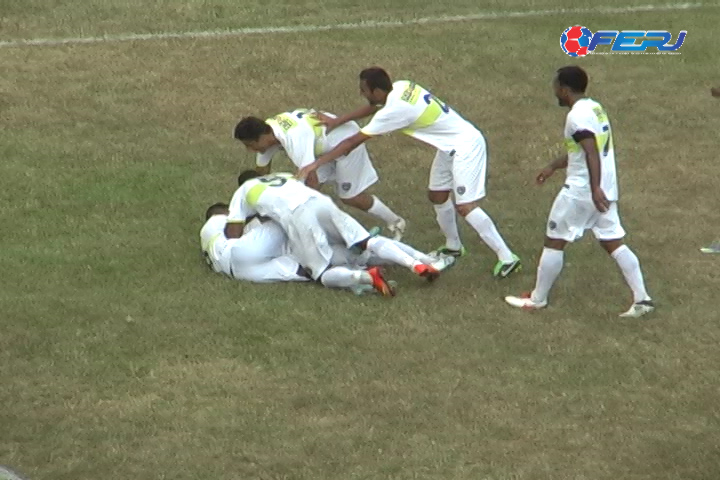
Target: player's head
x,y
247,175
569,83
257,135
375,84
217,209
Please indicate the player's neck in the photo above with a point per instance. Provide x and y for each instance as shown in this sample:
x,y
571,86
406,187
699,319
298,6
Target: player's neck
x,y
574,98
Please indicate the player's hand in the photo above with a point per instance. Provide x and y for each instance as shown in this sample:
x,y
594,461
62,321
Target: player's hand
x,y
329,122
715,92
544,174
305,171
600,200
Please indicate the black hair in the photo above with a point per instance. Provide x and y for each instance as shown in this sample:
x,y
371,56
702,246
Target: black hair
x,y
573,77
247,175
216,209
376,77
250,129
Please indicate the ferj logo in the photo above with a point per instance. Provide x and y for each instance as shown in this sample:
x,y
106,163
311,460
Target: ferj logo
x,y
578,41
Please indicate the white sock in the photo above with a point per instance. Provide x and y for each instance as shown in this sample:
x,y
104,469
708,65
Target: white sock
x,y
386,249
343,277
445,215
416,254
630,267
485,227
382,211
550,266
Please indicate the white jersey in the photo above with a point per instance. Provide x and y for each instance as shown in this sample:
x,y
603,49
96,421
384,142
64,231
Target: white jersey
x,y
303,138
587,114
275,196
416,112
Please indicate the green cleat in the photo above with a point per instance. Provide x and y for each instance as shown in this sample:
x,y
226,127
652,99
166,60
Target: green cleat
x,y
503,270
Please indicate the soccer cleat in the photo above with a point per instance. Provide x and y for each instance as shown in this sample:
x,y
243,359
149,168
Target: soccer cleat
x,y
503,270
525,302
364,289
639,309
448,252
379,283
443,263
398,229
426,271
713,248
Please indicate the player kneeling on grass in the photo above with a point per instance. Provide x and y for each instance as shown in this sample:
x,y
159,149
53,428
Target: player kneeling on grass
x,y
588,200
301,135
312,223
261,254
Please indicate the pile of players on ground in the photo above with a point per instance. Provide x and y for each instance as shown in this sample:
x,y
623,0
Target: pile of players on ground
x,y
279,227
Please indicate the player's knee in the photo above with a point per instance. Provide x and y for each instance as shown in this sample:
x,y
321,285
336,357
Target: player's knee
x,y
555,243
362,201
464,209
438,197
611,245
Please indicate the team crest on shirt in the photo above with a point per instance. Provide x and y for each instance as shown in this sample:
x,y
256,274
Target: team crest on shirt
x,y
552,225
460,190
346,186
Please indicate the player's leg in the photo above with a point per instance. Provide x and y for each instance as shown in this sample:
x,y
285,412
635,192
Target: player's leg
x,y
339,224
610,233
440,263
566,223
307,240
469,171
280,269
344,277
355,174
439,189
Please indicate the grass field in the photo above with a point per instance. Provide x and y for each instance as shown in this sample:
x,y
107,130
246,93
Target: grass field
x,y
122,357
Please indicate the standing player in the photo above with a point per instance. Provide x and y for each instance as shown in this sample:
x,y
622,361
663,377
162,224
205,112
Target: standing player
x,y
302,137
312,222
588,200
460,163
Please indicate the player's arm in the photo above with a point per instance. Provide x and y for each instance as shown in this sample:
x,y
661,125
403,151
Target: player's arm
x,y
234,229
263,161
557,164
264,169
333,122
342,148
587,142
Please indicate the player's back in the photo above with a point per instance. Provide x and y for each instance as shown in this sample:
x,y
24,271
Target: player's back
x,y
213,240
277,195
588,114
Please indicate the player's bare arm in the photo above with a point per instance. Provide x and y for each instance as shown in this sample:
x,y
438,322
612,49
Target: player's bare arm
x,y
234,229
362,112
557,164
342,148
264,170
312,181
586,139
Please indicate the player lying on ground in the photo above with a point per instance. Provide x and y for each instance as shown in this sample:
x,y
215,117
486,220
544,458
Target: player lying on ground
x,y
313,223
588,200
460,163
262,255
302,137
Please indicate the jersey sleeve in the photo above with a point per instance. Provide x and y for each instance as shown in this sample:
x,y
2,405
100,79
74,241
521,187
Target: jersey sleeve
x,y
393,116
264,159
240,210
579,120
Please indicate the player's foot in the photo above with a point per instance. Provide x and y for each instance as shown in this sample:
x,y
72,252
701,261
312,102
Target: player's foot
x,y
525,302
426,271
713,248
639,309
378,282
503,270
443,263
364,289
398,229
448,252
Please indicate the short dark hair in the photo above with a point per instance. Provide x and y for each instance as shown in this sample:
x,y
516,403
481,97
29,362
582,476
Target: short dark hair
x,y
247,175
376,77
216,209
573,77
250,129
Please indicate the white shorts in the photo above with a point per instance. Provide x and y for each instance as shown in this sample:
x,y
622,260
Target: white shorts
x,y
462,171
352,174
571,215
317,225
280,269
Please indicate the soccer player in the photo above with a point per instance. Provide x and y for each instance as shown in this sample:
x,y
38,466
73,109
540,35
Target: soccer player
x,y
312,222
588,199
302,137
460,162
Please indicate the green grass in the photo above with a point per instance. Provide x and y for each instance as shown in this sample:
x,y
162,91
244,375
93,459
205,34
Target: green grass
x,y
122,357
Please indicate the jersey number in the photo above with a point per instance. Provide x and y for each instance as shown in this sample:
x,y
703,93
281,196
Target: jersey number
x,y
606,147
429,98
273,180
